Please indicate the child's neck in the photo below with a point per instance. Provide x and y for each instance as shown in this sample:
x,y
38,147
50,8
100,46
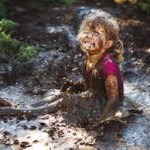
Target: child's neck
x,y
91,60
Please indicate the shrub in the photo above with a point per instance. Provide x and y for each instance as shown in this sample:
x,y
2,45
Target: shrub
x,y
145,6
7,25
11,50
8,47
25,53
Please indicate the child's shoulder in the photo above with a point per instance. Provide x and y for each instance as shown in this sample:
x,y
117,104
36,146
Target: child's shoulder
x,y
107,59
109,64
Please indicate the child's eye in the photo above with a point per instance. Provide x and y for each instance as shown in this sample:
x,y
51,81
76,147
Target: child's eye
x,y
96,33
85,33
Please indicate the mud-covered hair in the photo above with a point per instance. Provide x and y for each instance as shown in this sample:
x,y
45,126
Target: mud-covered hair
x,y
102,19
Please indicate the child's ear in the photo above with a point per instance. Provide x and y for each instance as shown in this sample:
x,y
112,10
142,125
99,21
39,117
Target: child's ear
x,y
108,44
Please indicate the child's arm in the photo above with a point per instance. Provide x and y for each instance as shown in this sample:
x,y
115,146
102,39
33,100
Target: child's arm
x,y
73,87
111,85
110,71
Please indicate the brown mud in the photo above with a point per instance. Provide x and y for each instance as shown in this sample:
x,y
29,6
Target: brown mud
x,y
52,29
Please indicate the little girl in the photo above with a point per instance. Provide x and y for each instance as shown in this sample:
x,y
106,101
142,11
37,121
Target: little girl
x,y
101,92
99,40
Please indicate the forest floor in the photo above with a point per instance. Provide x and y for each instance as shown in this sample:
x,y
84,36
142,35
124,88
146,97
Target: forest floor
x,y
52,28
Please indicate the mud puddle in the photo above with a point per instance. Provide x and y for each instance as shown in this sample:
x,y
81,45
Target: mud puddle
x,y
59,55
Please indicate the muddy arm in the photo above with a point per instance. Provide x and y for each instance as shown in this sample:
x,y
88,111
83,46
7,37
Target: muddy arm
x,y
73,87
111,106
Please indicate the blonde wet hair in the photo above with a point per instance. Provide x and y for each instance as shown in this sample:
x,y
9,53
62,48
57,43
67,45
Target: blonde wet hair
x,y
102,19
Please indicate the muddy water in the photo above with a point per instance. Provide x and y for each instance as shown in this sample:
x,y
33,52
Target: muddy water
x,y
51,131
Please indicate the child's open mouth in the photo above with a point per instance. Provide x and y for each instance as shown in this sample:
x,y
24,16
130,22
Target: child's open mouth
x,y
88,45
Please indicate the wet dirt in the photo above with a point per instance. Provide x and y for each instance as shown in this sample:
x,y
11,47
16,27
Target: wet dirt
x,y
53,28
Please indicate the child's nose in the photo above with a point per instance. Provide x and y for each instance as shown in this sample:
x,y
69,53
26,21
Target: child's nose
x,y
89,36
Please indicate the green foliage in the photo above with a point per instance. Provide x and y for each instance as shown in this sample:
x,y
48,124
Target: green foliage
x,y
66,2
2,9
8,47
145,6
26,53
7,25
11,50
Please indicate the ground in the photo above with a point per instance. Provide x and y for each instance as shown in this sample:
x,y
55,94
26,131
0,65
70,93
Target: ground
x,y
52,28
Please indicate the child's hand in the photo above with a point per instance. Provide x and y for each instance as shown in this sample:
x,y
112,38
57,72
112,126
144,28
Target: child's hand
x,y
72,87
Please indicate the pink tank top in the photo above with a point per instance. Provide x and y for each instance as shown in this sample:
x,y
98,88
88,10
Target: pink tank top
x,y
106,66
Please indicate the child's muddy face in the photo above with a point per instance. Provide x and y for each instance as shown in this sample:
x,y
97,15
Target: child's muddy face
x,y
92,41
